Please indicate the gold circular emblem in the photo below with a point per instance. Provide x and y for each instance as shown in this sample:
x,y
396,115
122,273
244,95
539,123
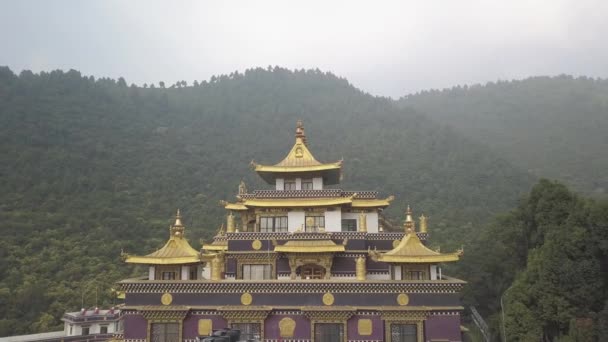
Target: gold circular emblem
x,y
166,298
396,243
403,299
246,298
256,244
328,299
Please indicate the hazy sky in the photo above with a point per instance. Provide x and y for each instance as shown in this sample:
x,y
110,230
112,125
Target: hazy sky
x,y
387,48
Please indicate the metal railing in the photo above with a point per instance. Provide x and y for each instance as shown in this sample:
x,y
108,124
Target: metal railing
x,y
481,324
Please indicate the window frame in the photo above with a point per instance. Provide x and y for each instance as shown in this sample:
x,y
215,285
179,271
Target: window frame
x,y
309,184
331,337
277,224
289,184
315,227
350,220
267,273
251,334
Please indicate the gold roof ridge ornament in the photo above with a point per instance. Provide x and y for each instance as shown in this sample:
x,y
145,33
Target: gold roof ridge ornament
x,y
411,250
300,159
176,250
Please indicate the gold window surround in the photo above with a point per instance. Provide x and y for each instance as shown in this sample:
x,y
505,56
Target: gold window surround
x,y
245,315
168,315
416,318
296,260
256,259
159,270
327,315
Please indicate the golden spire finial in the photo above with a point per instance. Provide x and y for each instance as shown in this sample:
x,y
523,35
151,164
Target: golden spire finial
x,y
409,223
177,229
300,131
178,219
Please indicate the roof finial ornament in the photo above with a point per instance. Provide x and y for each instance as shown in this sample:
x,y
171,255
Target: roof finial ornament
x,y
177,229
409,224
178,219
300,131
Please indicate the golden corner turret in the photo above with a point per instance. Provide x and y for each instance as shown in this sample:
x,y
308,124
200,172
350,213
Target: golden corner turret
x,y
300,161
410,250
176,251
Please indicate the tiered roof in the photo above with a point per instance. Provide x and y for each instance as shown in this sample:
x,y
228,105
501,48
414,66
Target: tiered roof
x,y
300,160
176,250
412,250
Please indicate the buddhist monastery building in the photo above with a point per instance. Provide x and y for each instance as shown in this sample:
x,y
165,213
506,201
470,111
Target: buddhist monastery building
x,y
297,262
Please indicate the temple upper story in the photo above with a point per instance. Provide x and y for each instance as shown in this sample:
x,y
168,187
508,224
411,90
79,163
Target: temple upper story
x,y
299,170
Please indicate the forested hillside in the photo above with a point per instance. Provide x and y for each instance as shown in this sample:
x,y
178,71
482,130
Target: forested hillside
x,y
548,260
553,127
92,166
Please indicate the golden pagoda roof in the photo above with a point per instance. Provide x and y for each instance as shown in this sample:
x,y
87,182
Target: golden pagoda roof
x,y
412,250
309,246
300,159
176,250
308,202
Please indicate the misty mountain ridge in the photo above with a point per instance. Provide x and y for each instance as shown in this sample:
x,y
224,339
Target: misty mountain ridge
x,y
92,166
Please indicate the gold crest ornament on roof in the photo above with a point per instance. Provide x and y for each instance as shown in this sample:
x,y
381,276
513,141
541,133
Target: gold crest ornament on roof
x,y
298,160
176,250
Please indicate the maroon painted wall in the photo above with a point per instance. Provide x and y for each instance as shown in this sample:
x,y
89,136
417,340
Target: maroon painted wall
x,y
446,327
135,326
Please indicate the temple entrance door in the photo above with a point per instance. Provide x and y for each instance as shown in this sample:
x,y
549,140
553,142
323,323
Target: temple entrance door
x,y
312,272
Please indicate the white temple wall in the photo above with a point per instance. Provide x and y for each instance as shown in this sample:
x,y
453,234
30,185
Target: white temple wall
x,y
206,272
298,183
185,272
280,183
372,222
295,220
151,273
317,183
333,221
433,272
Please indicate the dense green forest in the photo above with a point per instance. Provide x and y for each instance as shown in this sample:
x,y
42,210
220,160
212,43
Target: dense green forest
x,y
550,126
92,166
548,260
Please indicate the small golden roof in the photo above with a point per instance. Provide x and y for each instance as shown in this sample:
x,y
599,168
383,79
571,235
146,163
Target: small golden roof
x,y
176,250
309,246
411,249
300,159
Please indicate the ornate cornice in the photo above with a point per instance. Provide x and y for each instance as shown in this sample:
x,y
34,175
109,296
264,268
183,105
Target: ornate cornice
x,y
287,286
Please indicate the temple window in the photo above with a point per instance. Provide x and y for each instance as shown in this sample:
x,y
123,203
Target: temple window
x,y
168,275
257,272
249,331
307,184
409,272
349,225
312,272
404,333
103,329
85,330
269,224
329,332
314,223
193,272
164,332
289,184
